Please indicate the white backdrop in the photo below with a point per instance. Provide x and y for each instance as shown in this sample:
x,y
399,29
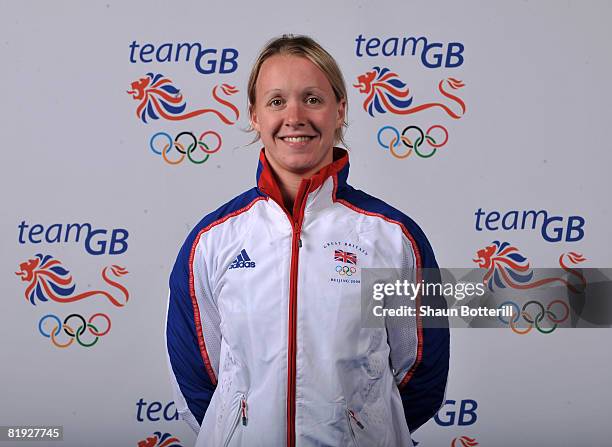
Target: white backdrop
x,y
533,137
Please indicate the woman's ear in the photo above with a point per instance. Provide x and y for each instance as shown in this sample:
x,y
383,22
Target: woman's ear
x,y
253,118
341,113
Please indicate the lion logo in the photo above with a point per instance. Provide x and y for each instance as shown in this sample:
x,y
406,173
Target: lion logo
x,y
48,280
507,267
464,441
160,440
386,92
158,97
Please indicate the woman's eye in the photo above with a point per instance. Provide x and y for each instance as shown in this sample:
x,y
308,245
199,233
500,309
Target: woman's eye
x,y
276,102
313,100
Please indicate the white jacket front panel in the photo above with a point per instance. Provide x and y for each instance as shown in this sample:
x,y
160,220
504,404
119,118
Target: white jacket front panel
x,y
236,320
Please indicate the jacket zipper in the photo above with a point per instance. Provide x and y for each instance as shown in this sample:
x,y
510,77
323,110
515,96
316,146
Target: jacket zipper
x,y
350,414
242,412
296,243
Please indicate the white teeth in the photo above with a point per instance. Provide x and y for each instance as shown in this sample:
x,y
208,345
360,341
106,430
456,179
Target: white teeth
x,y
296,139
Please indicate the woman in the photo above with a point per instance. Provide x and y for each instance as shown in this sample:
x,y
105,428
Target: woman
x,y
264,331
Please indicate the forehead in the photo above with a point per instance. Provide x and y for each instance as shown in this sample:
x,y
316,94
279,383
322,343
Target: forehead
x,y
288,72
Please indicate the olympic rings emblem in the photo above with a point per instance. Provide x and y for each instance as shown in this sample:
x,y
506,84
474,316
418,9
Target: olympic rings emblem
x,y
184,137
70,332
413,143
345,270
562,307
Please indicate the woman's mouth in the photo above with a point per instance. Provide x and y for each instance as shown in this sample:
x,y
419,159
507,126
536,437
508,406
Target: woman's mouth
x,y
300,139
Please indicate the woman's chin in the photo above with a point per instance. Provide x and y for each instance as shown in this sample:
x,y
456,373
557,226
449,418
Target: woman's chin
x,y
303,164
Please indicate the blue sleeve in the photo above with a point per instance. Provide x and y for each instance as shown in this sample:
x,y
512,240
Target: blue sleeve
x,y
423,394
193,385
193,335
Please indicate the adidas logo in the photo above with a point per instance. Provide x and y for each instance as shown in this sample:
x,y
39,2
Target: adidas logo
x,y
242,261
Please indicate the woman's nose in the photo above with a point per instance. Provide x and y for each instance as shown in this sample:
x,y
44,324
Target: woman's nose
x,y
294,114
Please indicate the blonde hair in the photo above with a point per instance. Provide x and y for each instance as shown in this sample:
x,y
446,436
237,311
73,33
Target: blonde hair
x,y
302,46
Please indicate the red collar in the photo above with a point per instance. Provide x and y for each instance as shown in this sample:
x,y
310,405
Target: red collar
x,y
267,184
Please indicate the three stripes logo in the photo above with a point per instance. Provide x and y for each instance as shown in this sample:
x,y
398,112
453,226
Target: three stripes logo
x,y
242,261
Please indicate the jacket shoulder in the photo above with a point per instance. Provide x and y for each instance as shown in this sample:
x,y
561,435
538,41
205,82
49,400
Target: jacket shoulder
x,y
235,206
365,203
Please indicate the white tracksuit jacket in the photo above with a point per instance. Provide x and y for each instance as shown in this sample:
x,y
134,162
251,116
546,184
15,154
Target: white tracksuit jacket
x,y
264,334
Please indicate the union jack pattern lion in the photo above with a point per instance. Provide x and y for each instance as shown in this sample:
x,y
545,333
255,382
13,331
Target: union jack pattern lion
x,y
48,280
507,267
160,98
464,441
160,440
386,92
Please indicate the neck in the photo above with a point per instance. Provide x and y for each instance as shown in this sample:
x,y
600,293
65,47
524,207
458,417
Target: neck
x,y
289,182
284,186
289,185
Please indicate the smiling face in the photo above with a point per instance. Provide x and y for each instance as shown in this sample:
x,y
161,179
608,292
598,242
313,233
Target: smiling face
x,y
296,114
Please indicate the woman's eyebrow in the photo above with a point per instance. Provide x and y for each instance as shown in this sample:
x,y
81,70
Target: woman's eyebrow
x,y
274,90
278,90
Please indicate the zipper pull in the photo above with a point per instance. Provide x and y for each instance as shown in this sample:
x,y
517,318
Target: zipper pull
x,y
243,410
300,242
352,415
